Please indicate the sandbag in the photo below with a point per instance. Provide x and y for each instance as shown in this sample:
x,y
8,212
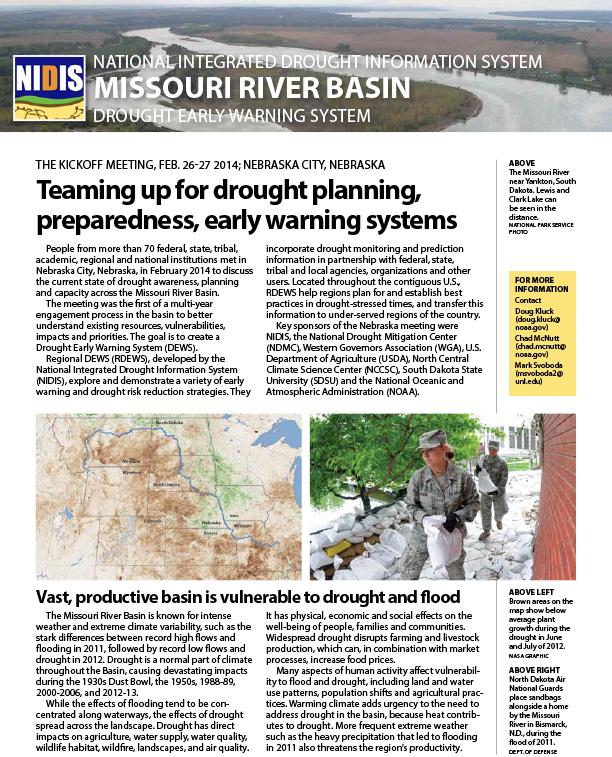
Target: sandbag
x,y
443,548
337,536
319,560
369,521
328,538
384,556
368,570
344,523
388,512
341,546
406,530
485,485
393,541
319,540
355,539
344,575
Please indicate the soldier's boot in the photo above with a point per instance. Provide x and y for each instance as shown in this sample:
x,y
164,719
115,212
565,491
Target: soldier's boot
x,y
499,524
484,535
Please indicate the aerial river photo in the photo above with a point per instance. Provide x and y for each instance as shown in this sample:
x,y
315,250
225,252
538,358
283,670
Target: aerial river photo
x,y
508,104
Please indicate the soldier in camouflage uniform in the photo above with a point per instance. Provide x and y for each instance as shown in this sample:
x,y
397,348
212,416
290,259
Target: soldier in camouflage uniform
x,y
497,468
440,488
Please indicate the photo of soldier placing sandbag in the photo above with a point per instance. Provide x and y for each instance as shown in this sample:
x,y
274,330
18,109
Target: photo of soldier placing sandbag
x,y
442,496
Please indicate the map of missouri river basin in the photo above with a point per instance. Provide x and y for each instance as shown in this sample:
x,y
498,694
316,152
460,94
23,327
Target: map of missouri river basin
x,y
168,497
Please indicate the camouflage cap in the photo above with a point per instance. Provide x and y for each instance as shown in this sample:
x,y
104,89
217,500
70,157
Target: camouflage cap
x,y
432,439
492,444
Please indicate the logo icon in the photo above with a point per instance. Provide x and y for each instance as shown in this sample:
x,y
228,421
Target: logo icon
x,y
48,88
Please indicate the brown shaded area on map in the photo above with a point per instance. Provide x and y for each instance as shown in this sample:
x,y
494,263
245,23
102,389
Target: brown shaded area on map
x,y
185,546
179,508
255,561
132,541
66,493
165,473
200,573
115,491
137,448
130,572
280,490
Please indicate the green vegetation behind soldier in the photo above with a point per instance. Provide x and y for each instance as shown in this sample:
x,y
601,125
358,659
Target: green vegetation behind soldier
x,y
497,469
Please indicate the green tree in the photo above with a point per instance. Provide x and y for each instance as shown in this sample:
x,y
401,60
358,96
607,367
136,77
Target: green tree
x,y
372,452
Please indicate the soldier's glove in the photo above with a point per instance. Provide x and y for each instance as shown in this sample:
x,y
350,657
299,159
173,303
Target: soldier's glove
x,y
451,523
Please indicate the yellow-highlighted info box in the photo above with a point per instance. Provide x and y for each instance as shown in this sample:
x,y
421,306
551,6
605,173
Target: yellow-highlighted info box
x,y
542,333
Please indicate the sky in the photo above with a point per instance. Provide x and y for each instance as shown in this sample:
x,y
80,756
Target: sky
x,y
373,4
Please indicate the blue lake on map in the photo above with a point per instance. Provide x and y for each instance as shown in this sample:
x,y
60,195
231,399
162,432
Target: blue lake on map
x,y
297,480
285,431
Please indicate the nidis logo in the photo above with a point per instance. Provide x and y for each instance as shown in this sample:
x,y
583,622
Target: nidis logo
x,y
48,88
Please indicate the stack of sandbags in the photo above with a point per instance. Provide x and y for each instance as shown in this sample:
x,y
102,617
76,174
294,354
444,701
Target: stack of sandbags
x,y
382,559
382,534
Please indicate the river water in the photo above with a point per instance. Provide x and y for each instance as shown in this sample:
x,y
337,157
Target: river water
x,y
170,114
478,14
508,104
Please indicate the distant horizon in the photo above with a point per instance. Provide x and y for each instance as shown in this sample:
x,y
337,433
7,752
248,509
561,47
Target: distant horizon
x,y
491,6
